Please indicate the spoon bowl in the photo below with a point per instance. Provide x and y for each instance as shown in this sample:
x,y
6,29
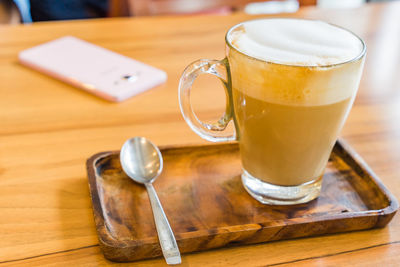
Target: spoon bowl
x,y
141,160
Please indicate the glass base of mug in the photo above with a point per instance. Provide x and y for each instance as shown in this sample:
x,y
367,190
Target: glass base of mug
x,y
272,194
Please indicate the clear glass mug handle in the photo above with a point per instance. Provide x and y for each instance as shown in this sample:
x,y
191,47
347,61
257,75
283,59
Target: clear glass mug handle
x,y
214,131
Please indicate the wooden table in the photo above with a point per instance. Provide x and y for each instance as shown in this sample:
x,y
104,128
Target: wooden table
x,y
49,129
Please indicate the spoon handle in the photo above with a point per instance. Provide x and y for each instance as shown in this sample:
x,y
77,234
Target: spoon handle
x,y
165,235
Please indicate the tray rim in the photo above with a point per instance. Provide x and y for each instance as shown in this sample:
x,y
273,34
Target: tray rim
x,y
342,145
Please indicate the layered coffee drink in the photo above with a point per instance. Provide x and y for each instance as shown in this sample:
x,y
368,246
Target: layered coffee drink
x,y
290,85
293,84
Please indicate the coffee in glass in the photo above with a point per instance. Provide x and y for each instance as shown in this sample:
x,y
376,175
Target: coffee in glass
x,y
291,84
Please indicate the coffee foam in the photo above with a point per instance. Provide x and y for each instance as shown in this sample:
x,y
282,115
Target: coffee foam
x,y
296,42
291,85
291,45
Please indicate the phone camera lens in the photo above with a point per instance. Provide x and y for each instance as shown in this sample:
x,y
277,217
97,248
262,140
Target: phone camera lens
x,y
131,77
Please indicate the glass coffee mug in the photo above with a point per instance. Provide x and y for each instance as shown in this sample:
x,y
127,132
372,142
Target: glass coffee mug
x,y
287,107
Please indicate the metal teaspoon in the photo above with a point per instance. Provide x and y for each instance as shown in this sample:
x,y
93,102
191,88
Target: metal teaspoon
x,y
142,161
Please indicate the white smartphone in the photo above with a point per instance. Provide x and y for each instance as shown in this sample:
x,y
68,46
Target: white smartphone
x,y
95,69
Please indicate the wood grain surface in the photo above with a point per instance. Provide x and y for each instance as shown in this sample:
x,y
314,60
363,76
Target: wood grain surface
x,y
49,129
202,193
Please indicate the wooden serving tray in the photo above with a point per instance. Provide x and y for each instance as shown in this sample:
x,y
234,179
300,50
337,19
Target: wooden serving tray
x,y
207,207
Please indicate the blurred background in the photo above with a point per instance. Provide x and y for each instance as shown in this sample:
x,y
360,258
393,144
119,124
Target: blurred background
x,y
28,11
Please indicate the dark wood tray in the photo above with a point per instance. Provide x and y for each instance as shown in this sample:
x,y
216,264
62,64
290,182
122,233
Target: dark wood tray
x,y
207,206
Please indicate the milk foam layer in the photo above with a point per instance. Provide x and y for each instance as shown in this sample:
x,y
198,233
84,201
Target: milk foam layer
x,y
300,80
296,42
